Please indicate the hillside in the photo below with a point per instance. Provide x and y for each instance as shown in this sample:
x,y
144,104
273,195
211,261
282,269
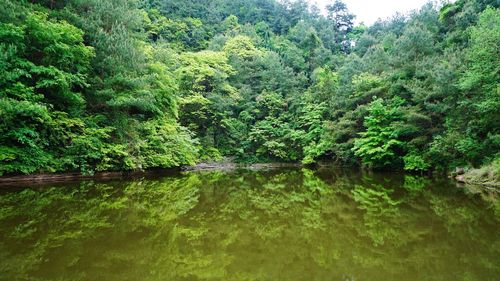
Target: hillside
x,y
113,85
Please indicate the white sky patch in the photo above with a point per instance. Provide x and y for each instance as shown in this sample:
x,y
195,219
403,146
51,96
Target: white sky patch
x,y
368,11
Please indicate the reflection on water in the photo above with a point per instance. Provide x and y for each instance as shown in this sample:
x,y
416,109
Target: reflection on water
x,y
289,224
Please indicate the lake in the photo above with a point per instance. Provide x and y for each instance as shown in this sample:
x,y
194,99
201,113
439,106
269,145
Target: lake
x,y
277,224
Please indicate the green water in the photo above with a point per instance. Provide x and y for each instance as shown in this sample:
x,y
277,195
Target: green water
x,y
286,224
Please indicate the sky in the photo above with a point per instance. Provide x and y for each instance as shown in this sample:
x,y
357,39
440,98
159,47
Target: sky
x,y
368,11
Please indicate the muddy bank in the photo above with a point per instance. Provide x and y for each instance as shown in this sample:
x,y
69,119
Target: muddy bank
x,y
42,178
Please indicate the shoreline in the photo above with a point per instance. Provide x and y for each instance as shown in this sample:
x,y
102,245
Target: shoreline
x,y
43,178
224,166
486,176
47,178
464,180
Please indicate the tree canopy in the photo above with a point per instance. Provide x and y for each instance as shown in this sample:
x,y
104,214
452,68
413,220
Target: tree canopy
x,y
135,84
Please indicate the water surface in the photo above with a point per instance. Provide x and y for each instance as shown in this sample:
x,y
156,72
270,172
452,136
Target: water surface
x,y
285,224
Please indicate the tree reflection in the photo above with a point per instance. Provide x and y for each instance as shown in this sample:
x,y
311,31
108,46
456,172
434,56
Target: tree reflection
x,y
296,224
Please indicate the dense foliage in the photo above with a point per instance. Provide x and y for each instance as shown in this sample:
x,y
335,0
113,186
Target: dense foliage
x,y
128,85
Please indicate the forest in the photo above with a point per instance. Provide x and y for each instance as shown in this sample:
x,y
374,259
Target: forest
x,y
126,85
